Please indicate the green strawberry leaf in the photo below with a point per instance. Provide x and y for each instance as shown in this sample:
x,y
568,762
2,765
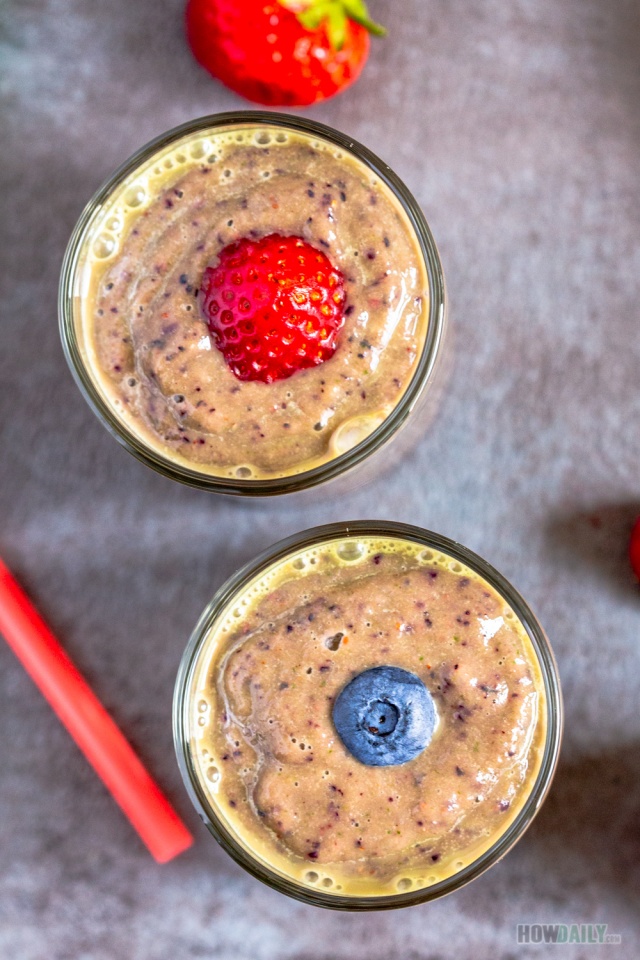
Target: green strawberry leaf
x,y
314,14
337,27
335,13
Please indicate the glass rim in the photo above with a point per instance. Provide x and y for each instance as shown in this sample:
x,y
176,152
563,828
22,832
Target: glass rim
x,y
237,583
337,465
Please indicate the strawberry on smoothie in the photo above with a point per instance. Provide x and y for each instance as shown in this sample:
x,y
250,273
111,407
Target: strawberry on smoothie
x,y
253,302
274,306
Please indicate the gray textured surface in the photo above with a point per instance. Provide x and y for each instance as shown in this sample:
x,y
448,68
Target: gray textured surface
x,y
517,125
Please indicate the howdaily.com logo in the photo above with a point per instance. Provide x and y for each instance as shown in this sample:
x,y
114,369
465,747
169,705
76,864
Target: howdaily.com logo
x,y
584,933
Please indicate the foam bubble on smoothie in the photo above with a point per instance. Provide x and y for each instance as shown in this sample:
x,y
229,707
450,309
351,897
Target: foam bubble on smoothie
x,y
135,195
350,550
104,246
199,149
349,434
213,774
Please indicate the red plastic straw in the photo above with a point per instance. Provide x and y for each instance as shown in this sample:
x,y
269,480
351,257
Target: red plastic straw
x,y
89,724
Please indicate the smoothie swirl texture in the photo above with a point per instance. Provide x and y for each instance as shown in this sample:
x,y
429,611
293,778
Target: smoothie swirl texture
x,y
270,756
150,347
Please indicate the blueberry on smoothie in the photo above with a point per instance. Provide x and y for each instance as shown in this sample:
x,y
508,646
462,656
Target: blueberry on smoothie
x,y
385,716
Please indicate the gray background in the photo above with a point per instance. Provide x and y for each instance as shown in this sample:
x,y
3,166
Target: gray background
x,y
517,125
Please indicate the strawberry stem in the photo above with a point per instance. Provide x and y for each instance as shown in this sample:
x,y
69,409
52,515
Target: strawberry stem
x,y
357,10
313,13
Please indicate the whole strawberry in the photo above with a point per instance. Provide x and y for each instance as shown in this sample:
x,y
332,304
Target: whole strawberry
x,y
274,306
281,52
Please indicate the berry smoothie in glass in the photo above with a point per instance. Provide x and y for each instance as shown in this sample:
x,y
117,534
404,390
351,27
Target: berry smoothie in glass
x,y
253,304
367,716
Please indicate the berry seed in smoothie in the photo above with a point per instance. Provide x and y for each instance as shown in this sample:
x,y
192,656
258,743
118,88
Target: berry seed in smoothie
x,y
254,301
367,716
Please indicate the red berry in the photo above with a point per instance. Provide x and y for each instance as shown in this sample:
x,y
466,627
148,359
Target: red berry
x,y
281,52
634,548
274,306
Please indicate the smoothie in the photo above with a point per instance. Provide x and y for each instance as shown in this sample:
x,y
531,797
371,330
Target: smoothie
x,y
276,752
147,342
